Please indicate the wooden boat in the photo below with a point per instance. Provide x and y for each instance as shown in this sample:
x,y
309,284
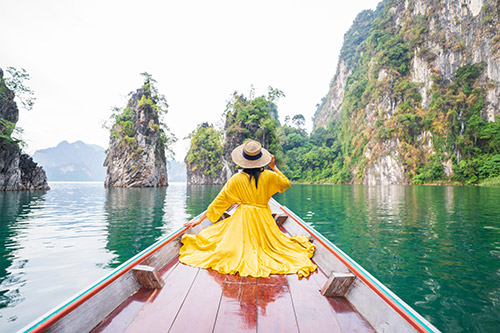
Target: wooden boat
x,y
153,292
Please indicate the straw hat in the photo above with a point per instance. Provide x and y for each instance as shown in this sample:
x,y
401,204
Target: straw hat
x,y
251,155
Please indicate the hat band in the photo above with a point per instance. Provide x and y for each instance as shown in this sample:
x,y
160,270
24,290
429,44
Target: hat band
x,y
252,158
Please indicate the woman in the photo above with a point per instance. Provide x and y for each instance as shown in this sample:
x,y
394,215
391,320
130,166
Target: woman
x,y
249,242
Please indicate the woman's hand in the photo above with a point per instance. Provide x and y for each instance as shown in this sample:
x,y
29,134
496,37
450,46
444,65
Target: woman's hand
x,y
195,222
272,164
192,223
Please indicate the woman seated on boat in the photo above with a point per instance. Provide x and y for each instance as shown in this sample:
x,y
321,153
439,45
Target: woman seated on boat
x,y
248,243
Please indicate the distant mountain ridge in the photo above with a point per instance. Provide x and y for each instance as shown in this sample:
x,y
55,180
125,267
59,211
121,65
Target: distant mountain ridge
x,y
176,171
79,161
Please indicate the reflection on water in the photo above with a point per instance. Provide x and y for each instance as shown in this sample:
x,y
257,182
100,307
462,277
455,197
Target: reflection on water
x,y
438,248
52,247
56,243
134,220
137,217
199,197
14,208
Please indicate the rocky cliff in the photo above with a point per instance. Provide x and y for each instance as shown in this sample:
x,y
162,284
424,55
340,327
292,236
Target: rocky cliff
x,y
17,170
415,95
136,154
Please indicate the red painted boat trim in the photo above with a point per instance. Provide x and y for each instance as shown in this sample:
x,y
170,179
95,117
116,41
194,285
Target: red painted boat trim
x,y
60,313
407,316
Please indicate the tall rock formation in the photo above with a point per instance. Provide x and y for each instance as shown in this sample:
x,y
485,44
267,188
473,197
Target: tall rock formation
x,y
136,154
416,94
208,160
17,170
204,158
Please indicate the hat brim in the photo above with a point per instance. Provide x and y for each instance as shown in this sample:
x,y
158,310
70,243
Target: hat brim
x,y
239,159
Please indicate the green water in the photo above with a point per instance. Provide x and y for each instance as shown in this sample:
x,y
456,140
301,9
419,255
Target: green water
x,y
438,248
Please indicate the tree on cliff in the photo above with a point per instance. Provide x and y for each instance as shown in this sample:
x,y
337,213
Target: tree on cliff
x,y
16,81
13,87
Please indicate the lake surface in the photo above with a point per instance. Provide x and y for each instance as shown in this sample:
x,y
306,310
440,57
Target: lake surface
x,y
438,248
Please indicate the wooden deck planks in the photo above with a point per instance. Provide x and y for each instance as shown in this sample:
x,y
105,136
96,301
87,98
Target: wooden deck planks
x,y
348,318
122,317
202,300
275,309
238,308
159,314
313,312
199,310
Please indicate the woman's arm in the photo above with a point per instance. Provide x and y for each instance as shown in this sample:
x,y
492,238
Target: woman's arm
x,y
272,164
196,222
280,183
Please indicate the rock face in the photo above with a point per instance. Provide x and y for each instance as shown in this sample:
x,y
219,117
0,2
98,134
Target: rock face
x,y
196,176
17,170
199,178
386,169
438,38
136,155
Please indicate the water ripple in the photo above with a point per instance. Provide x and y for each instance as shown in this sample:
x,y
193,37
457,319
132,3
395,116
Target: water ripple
x,y
435,247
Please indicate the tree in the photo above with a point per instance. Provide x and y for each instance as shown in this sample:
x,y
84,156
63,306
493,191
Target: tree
x,y
158,99
16,82
299,121
13,86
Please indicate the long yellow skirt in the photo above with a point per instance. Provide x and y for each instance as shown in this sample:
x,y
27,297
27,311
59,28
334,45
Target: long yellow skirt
x,y
248,243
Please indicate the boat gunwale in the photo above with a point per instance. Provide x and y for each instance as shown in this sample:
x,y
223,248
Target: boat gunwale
x,y
403,309
63,309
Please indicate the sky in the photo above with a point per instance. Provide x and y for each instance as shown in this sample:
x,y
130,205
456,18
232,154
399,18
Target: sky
x,y
84,57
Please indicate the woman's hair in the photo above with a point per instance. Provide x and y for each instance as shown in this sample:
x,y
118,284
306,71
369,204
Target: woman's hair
x,y
255,172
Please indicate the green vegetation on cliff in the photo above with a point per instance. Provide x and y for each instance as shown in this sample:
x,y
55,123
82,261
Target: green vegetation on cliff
x,y
13,86
314,158
382,105
125,123
245,118
206,151
253,118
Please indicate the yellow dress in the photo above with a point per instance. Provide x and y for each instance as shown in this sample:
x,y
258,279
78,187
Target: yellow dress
x,y
249,242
